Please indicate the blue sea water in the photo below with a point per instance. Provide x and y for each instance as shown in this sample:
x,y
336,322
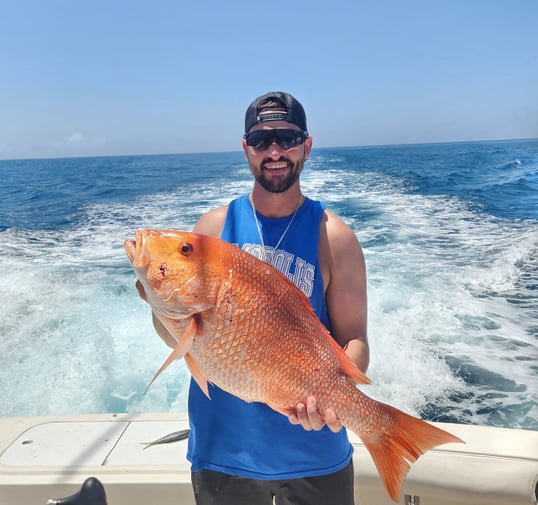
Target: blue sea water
x,y
449,232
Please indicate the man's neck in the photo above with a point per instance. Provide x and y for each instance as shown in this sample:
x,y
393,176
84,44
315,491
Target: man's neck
x,y
276,204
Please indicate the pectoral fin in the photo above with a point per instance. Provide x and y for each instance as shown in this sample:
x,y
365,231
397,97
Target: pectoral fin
x,y
181,349
197,374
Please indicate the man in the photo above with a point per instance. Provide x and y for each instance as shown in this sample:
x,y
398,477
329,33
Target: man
x,y
246,453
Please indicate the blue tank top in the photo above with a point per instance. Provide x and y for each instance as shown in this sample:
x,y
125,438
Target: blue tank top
x,y
250,439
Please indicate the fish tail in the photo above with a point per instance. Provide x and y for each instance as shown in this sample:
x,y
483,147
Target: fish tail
x,y
404,439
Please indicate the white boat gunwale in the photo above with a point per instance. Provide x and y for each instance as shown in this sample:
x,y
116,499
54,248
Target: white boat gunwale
x,y
49,457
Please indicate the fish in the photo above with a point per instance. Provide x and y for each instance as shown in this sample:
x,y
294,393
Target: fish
x,y
243,326
175,436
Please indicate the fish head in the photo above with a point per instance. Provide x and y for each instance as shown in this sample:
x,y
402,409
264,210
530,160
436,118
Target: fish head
x,y
178,270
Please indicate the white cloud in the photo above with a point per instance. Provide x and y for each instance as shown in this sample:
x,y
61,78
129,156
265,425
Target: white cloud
x,y
76,138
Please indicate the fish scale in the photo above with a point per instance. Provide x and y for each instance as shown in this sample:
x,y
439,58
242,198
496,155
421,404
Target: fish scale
x,y
252,332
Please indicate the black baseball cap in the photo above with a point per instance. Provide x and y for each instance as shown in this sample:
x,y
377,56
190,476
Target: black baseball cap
x,y
289,110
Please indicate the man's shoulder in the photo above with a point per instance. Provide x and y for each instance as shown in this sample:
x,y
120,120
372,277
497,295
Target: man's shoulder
x,y
335,226
337,239
212,222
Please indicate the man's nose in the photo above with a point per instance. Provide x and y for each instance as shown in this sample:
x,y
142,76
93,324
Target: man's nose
x,y
275,151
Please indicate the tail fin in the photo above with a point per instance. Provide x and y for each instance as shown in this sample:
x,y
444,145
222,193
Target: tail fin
x,y
401,443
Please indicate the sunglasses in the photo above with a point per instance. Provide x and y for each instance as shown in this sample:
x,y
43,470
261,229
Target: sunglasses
x,y
286,139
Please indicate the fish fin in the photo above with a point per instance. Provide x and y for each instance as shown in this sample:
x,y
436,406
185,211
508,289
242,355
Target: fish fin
x,y
197,374
401,443
350,369
183,347
282,410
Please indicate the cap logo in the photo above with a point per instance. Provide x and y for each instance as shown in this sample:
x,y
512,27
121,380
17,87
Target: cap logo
x,y
272,116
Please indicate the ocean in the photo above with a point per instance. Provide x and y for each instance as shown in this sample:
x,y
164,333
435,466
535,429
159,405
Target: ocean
x,y
449,232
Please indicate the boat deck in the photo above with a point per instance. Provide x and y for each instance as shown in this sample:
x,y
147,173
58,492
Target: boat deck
x,y
50,457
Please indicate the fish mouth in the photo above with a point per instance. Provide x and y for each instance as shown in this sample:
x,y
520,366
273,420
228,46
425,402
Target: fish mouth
x,y
135,250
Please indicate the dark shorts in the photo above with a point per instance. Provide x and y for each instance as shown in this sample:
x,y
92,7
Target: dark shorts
x,y
215,488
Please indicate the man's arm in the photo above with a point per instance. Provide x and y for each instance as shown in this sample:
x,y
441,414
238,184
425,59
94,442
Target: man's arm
x,y
346,291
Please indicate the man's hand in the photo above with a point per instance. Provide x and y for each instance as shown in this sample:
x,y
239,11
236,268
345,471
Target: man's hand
x,y
161,330
141,291
308,417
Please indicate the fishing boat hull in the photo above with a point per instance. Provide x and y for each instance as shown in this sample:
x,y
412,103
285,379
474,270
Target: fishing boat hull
x,y
50,457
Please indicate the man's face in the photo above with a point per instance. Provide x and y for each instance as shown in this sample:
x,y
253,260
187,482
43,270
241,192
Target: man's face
x,y
274,167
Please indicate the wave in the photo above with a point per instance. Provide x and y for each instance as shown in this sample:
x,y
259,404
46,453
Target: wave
x,y
453,294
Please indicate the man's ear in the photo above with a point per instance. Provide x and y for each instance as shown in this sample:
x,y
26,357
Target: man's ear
x,y
307,146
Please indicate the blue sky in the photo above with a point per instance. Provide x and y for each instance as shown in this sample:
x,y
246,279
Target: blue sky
x,y
89,78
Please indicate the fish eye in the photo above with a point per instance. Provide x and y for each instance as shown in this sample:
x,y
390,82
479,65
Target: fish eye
x,y
185,249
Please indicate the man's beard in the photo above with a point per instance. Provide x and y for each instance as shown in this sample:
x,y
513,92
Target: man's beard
x,y
276,184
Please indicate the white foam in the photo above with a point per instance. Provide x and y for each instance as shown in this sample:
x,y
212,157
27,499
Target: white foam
x,y
442,282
